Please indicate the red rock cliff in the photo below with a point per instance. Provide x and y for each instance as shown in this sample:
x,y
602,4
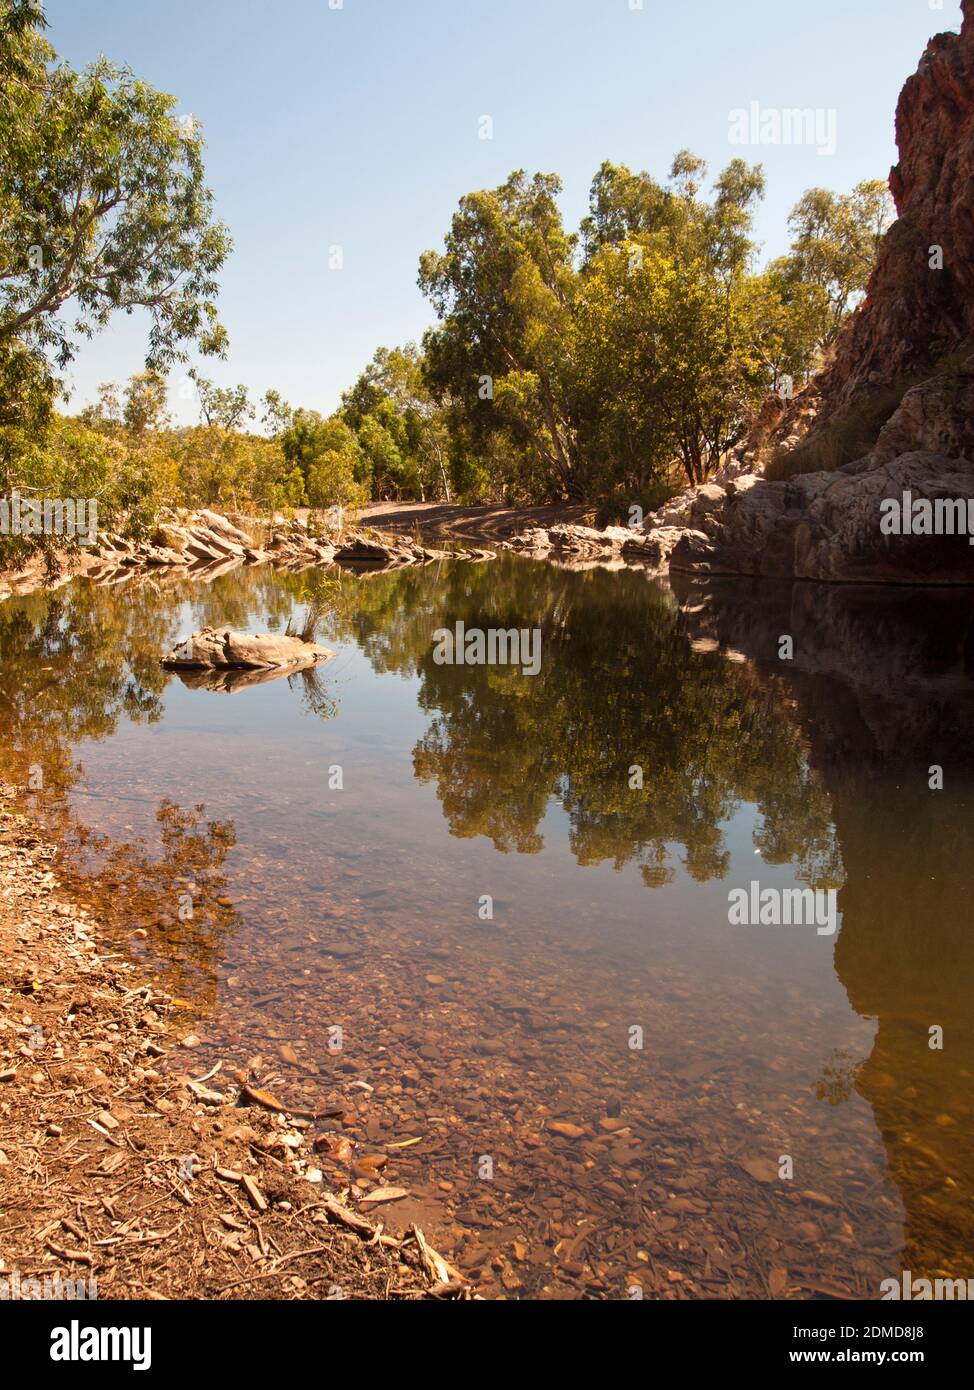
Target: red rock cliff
x,y
915,316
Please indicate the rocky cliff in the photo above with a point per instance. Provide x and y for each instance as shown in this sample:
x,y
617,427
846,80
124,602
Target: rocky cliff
x,y
891,420
920,307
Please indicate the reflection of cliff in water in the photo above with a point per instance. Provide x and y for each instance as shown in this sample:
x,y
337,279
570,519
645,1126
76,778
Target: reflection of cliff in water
x,y
884,681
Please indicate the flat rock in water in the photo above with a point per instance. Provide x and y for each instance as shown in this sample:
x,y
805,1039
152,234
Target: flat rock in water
x,y
222,647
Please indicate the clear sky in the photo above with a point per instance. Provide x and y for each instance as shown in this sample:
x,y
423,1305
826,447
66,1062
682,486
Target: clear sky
x,y
360,124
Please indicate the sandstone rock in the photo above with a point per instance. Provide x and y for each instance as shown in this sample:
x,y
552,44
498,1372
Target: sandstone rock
x,y
566,1129
912,314
162,555
217,542
936,417
198,550
365,552
222,647
171,537
826,526
215,522
536,540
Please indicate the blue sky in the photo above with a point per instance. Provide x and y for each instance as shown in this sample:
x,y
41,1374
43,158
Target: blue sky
x,y
359,126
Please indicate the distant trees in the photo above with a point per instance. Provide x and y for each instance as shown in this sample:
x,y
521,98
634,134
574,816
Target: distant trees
x,y
503,290
665,332
328,458
605,364
226,407
402,432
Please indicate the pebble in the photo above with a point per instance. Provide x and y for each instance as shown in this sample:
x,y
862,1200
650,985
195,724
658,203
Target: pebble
x,y
566,1129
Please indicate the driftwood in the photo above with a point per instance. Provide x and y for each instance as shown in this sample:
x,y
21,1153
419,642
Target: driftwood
x,y
446,1279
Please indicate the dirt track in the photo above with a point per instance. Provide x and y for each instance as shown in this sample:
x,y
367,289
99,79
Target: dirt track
x,y
489,523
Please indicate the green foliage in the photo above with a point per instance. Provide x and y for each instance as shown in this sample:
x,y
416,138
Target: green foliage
x,y
668,367
593,376
402,432
103,207
836,238
103,204
327,458
224,406
75,461
500,746
145,403
503,290
591,366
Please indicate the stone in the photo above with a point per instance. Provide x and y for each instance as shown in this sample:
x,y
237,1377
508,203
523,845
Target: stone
x,y
222,647
215,522
566,1129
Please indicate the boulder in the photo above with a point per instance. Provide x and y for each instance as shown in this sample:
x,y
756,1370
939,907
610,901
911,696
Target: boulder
x,y
222,647
171,537
215,522
827,526
362,552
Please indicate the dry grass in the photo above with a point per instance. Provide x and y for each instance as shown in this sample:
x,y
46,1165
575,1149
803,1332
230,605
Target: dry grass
x,y
847,437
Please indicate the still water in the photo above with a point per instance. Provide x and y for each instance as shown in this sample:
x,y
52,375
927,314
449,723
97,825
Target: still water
x,y
742,1111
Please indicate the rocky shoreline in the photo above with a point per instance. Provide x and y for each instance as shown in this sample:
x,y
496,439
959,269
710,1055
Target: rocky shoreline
x,y
206,544
122,1168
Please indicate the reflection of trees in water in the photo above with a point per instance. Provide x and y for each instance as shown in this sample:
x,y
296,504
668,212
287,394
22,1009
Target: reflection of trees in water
x,y
843,740
73,665
77,662
880,690
906,957
173,894
617,688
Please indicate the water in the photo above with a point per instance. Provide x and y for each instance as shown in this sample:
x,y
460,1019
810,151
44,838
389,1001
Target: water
x,y
608,990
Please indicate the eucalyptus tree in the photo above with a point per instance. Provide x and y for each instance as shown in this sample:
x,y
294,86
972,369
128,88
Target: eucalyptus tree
x,y
503,290
103,204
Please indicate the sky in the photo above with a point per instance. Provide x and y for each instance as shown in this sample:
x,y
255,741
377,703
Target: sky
x,y
359,124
